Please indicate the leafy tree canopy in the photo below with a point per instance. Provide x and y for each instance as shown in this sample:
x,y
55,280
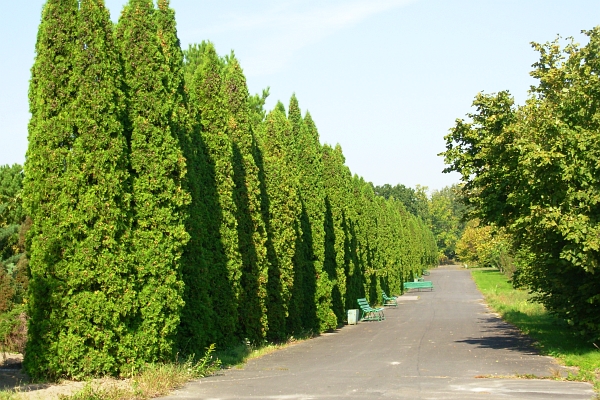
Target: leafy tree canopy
x,y
534,170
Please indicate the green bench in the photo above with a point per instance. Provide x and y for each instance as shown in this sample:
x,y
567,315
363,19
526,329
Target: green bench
x,y
418,285
369,313
389,301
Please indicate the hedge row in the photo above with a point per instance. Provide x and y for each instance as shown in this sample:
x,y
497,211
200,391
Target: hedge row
x,y
171,211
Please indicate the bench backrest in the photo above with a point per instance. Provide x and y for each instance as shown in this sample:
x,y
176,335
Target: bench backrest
x,y
425,284
363,303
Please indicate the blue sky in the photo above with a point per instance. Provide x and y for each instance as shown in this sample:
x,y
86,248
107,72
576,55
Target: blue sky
x,y
384,78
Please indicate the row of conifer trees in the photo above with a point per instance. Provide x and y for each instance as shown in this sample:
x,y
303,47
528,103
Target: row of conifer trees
x,y
170,211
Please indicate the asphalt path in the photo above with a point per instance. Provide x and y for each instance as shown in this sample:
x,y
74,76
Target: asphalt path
x,y
440,344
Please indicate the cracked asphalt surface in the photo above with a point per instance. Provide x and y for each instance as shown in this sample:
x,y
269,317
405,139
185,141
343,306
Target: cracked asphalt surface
x,y
444,345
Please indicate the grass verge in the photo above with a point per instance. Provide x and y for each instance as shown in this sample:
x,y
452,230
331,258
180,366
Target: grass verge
x,y
236,356
152,381
553,336
160,379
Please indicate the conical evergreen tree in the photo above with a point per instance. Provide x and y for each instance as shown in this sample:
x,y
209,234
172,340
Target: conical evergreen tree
x,y
370,241
282,210
337,181
352,227
251,227
174,82
51,95
158,171
80,292
219,238
195,330
315,307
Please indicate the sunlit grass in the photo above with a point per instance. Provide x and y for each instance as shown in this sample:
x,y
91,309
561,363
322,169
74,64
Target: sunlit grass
x,y
8,395
161,378
238,355
553,336
154,380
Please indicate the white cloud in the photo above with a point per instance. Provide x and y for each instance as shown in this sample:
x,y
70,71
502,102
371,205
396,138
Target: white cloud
x,y
279,32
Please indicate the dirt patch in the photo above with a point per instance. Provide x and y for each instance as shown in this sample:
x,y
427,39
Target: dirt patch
x,y
11,360
18,382
13,379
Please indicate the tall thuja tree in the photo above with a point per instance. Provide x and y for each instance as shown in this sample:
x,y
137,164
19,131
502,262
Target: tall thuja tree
x,y
180,122
405,242
312,294
353,230
195,331
251,228
368,240
81,291
51,94
410,254
281,212
336,180
158,170
386,244
197,326
396,268
219,238
429,249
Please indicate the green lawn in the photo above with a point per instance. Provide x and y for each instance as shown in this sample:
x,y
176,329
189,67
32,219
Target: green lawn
x,y
553,336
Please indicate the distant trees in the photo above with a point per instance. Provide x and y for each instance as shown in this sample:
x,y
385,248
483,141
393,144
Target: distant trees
x,y
415,200
447,219
486,246
13,260
11,213
169,210
442,211
533,170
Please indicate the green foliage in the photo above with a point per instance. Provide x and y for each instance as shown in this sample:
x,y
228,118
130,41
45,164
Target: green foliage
x,y
251,228
219,233
11,182
13,261
158,170
534,170
197,325
311,304
281,207
13,329
76,193
414,200
336,181
153,380
446,214
442,211
485,246
12,229
167,210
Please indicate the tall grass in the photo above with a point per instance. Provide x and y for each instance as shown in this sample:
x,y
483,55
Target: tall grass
x,y
236,356
159,379
553,336
154,380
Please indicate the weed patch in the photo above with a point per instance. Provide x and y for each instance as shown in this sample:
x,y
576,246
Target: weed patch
x,y
152,381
